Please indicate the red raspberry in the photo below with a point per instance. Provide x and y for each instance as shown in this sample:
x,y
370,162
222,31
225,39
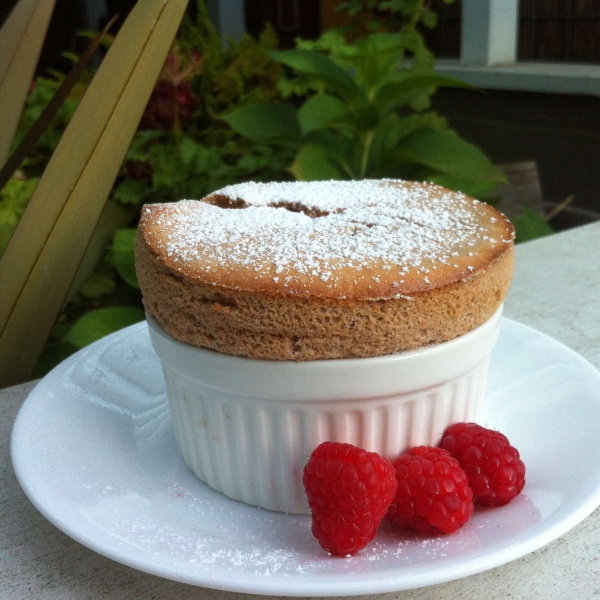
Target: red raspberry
x,y
495,471
433,493
349,491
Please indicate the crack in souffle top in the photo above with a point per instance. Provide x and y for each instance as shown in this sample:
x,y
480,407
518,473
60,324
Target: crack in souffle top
x,y
387,236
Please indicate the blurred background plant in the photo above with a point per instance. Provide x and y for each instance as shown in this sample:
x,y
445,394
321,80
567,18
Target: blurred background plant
x,y
352,104
364,113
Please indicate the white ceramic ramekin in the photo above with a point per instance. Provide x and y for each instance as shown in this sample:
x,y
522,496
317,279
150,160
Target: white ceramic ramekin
x,y
246,427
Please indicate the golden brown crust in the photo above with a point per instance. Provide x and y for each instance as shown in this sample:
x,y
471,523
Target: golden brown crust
x,y
279,310
352,252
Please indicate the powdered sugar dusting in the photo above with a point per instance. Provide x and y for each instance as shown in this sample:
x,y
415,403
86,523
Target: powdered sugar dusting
x,y
315,229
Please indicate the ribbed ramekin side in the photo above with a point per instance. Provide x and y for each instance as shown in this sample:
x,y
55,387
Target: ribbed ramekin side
x,y
255,450
248,452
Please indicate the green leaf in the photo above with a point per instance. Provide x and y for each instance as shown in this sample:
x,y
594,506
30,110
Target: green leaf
x,y
362,119
96,324
262,122
319,66
373,59
314,163
132,191
423,60
14,198
6,232
319,111
380,43
123,255
392,93
475,189
395,129
444,151
188,149
529,225
253,162
98,284
52,356
406,7
429,19
141,142
335,141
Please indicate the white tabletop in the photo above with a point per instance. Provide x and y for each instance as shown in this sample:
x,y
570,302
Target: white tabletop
x,y
556,289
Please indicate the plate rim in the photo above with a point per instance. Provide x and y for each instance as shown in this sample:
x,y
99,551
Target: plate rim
x,y
277,585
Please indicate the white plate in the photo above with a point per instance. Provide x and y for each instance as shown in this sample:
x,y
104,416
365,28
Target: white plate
x,y
93,449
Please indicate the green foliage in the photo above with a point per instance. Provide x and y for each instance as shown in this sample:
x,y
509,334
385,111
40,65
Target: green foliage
x,y
176,167
98,323
392,14
529,225
319,111
42,91
232,74
132,191
445,152
262,122
100,283
123,256
313,162
364,115
13,201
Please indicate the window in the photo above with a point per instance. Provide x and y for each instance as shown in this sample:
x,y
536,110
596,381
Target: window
x,y
548,30
559,30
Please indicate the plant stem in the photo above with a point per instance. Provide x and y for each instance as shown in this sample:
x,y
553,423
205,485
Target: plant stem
x,y
347,169
364,163
418,13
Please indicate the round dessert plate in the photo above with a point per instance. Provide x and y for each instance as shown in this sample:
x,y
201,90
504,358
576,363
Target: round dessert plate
x,y
94,451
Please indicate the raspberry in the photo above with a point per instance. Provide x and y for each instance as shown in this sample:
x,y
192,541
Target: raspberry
x,y
495,471
433,492
349,491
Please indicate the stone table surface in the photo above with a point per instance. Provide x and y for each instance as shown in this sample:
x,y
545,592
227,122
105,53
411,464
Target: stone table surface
x,y
556,289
